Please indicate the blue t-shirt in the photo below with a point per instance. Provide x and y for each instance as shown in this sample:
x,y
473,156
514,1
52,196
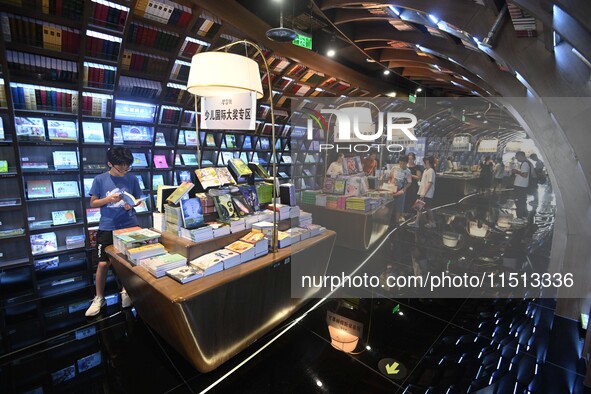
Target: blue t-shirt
x,y
114,216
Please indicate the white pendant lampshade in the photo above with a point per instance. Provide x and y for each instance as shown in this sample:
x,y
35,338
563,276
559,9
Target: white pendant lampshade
x,y
342,340
223,74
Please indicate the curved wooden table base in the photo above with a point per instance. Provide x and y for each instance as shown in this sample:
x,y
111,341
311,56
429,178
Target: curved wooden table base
x,y
213,318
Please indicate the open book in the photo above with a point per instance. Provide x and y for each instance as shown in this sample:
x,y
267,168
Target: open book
x,y
131,200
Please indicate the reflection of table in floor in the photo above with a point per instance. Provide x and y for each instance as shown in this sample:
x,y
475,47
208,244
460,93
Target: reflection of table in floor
x,y
450,188
356,230
213,318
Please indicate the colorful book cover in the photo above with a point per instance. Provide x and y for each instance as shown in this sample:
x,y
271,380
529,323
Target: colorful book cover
x,y
192,213
39,188
139,160
65,160
59,130
239,246
3,166
181,139
93,215
43,243
250,196
185,274
157,180
230,141
160,140
208,177
242,206
189,159
64,189
224,176
240,167
225,207
87,186
180,192
63,217
29,128
140,181
93,132
190,138
160,161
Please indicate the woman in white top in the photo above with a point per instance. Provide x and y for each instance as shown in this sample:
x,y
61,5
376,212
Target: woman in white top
x,y
336,167
426,192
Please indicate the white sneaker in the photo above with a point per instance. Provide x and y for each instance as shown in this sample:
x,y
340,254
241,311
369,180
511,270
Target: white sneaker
x,y
125,300
97,303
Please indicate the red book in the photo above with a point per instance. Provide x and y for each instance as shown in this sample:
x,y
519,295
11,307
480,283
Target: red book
x,y
69,102
122,18
66,39
58,7
43,97
153,37
58,102
104,14
184,19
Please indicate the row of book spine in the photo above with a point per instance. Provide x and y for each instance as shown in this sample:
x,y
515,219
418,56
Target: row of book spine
x,y
141,62
98,76
164,11
191,48
28,31
31,97
151,37
111,17
67,8
203,26
3,102
173,95
189,118
104,49
170,116
180,72
46,68
139,87
96,106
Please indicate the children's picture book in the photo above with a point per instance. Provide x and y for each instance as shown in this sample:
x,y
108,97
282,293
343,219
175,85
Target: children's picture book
x,y
117,135
137,134
1,130
131,200
230,141
143,205
224,176
93,215
190,138
189,159
250,196
3,166
63,217
181,138
157,180
60,130
160,161
247,144
226,157
207,177
185,274
39,188
192,213
88,362
139,160
241,204
210,141
87,186
225,207
180,192
352,165
239,167
160,140
184,176
43,243
93,132
29,129
65,160
64,189
140,181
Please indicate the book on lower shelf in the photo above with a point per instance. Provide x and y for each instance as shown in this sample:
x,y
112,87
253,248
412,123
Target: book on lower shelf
x,y
93,132
43,243
39,189
29,129
3,166
93,215
185,274
75,241
160,161
65,160
139,160
63,217
64,189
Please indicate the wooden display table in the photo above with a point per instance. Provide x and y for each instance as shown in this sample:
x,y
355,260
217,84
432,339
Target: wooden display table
x,y
215,317
356,230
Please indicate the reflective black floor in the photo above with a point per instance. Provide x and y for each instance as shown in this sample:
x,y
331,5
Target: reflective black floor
x,y
453,345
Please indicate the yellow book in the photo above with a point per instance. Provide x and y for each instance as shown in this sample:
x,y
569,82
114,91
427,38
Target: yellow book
x,y
180,191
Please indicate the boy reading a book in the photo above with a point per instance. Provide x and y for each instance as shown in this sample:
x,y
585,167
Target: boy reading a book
x,y
106,193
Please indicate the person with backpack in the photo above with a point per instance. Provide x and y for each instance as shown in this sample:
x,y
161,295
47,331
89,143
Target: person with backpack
x,y
521,184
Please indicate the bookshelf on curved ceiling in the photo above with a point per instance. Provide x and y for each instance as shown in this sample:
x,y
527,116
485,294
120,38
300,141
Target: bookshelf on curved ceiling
x,y
216,73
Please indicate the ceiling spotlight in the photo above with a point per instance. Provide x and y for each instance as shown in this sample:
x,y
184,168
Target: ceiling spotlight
x,y
419,90
330,53
386,72
391,94
370,60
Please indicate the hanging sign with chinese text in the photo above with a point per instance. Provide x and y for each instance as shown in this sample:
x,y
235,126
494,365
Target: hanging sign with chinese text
x,y
235,112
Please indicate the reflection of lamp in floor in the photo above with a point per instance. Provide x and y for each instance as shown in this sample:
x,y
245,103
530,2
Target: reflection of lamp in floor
x,y
344,331
477,229
217,73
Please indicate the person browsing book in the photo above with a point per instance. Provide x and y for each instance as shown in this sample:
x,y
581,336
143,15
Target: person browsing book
x,y
336,167
401,177
106,193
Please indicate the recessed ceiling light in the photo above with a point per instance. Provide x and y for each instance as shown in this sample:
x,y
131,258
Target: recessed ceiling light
x,y
391,94
370,60
330,53
419,90
386,72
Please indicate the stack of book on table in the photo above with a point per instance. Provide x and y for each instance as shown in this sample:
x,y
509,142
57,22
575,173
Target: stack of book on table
x,y
143,252
244,249
133,237
259,242
160,264
185,274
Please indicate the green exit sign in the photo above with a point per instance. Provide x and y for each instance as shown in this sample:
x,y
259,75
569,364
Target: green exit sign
x,y
412,98
303,40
